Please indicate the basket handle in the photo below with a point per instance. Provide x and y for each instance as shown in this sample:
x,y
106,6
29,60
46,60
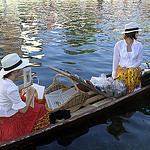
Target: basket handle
x,y
77,89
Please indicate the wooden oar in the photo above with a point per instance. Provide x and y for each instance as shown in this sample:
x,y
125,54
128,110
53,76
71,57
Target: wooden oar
x,y
81,81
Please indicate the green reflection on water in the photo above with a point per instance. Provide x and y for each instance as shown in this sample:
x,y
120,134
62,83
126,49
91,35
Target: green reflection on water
x,y
80,52
77,43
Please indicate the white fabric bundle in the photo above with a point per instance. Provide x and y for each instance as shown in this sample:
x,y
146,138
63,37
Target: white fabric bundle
x,y
112,87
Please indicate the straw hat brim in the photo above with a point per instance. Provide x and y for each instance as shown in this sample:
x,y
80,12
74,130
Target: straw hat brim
x,y
22,65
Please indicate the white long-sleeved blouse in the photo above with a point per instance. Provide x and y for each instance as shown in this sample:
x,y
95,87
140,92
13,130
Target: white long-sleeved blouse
x,y
127,59
10,101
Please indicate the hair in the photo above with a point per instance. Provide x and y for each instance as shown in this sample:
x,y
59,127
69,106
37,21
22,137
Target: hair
x,y
130,35
7,75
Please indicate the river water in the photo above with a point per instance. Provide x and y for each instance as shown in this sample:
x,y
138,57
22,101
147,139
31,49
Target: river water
x,y
79,36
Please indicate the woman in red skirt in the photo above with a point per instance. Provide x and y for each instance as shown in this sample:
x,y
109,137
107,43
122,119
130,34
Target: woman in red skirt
x,y
17,118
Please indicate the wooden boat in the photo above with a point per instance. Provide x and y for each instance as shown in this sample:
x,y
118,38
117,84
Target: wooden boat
x,y
95,105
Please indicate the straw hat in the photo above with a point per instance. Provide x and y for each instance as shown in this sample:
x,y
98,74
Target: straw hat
x,y
12,62
131,27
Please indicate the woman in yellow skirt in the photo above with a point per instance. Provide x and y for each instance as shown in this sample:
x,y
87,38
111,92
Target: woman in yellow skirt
x,y
128,57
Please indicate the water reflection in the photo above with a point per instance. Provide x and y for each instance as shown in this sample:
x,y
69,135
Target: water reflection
x,y
146,110
116,127
76,23
145,107
68,137
35,64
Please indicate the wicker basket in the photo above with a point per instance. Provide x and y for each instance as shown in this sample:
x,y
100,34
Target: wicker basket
x,y
74,102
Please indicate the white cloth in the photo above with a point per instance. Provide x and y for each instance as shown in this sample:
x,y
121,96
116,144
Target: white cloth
x,y
127,59
10,101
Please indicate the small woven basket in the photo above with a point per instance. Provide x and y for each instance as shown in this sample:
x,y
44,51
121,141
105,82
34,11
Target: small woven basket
x,y
74,102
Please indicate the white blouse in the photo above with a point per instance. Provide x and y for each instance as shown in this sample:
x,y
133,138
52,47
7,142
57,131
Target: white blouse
x,y
127,59
10,101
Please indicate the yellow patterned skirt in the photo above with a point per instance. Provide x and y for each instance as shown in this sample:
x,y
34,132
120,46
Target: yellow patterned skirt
x,y
131,77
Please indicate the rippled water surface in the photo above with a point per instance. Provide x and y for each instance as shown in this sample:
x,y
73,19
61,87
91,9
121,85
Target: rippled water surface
x,y
79,35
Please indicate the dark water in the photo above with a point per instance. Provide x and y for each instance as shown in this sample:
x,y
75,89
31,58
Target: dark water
x,y
79,35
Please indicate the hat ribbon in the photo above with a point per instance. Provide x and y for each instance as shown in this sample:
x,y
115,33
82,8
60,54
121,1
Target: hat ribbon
x,y
14,66
131,29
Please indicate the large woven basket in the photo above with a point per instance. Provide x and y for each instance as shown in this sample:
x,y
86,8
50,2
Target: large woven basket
x,y
74,102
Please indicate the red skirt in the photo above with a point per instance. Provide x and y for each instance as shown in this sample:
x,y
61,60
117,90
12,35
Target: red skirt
x,y
21,124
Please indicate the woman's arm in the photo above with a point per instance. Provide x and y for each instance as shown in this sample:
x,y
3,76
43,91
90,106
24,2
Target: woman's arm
x,y
140,57
21,87
115,60
29,98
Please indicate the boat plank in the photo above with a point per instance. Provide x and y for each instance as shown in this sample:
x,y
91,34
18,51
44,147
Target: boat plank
x,y
82,110
93,99
102,102
91,93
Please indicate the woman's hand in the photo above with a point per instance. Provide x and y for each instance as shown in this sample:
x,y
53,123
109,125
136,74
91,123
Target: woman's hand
x,y
21,87
29,98
31,89
31,81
